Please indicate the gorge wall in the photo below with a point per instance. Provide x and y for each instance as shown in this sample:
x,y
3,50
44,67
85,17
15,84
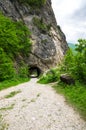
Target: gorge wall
x,y
48,41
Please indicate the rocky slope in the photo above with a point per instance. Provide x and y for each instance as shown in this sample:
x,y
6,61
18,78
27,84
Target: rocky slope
x,y
48,41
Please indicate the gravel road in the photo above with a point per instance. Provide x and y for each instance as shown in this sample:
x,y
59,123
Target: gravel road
x,y
38,107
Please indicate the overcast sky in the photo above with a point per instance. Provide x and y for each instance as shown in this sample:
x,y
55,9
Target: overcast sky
x,y
71,16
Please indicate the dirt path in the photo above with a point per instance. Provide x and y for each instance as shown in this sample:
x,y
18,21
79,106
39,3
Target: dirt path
x,y
38,107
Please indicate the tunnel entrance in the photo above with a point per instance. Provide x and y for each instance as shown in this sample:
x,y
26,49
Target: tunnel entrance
x,y
34,72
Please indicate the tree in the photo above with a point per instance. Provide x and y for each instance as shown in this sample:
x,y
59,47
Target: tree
x,y
75,64
81,47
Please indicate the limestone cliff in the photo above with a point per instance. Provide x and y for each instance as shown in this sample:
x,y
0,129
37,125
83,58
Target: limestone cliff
x,y
48,41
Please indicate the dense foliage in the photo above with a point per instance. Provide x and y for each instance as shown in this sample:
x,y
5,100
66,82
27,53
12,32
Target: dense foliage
x,y
34,3
14,42
75,64
51,76
6,66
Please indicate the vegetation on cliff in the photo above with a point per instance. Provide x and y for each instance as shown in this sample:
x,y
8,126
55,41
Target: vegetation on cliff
x,y
14,43
39,23
34,3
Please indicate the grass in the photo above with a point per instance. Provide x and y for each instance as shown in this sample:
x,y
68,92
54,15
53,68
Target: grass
x,y
3,125
23,100
7,108
48,79
33,100
51,76
9,83
43,80
38,95
75,95
12,94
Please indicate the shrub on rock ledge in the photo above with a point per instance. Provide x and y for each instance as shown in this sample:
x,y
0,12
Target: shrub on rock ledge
x,y
34,3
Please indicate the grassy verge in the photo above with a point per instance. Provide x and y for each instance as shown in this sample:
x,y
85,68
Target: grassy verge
x,y
7,108
12,94
9,83
75,95
51,76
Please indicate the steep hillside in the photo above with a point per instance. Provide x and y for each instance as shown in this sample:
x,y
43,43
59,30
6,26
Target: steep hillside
x,y
48,41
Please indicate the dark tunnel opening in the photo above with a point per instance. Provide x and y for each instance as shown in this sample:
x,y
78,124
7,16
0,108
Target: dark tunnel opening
x,y
34,71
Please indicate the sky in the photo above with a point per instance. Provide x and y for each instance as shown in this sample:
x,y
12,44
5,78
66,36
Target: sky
x,y
71,16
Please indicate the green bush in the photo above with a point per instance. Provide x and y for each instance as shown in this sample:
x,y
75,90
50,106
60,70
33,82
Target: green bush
x,y
23,70
7,70
14,37
75,64
14,42
51,76
68,62
34,3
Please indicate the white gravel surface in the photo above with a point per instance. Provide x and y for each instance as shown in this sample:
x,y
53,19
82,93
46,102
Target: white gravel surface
x,y
38,107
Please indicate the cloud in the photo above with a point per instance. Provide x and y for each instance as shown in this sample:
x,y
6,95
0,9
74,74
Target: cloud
x,y
71,16
80,14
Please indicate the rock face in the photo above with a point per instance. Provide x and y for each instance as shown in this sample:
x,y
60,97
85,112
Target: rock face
x,y
48,43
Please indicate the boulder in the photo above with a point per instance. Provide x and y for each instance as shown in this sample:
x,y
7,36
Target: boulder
x,y
67,79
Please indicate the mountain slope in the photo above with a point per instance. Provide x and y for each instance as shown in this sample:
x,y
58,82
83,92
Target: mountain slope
x,y
72,46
